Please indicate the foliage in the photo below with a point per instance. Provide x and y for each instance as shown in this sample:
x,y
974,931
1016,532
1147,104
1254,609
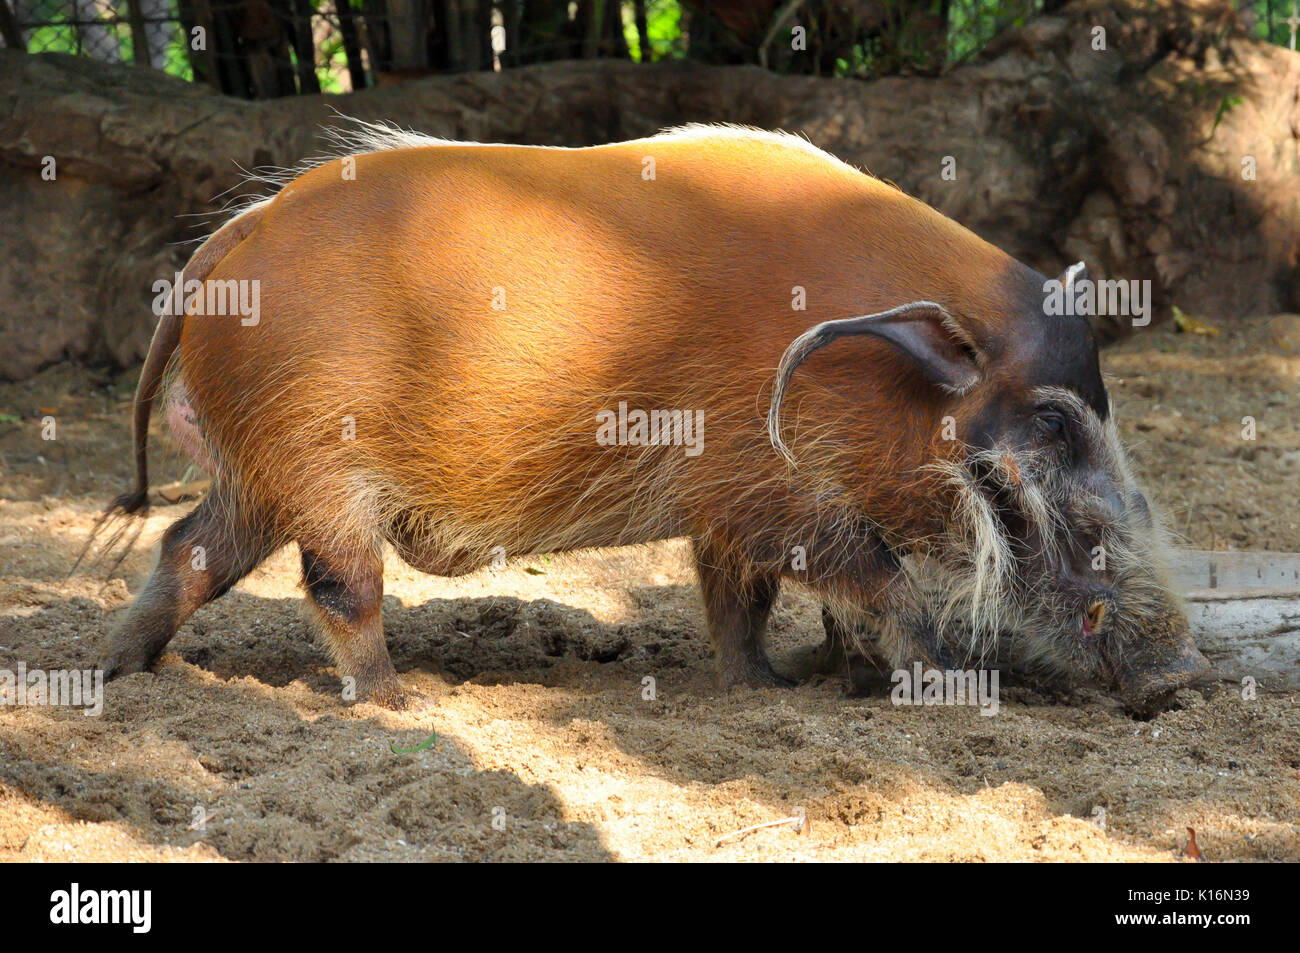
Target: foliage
x,y
853,38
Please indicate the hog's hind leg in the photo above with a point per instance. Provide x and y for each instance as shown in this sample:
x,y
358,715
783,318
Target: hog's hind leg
x,y
346,592
202,556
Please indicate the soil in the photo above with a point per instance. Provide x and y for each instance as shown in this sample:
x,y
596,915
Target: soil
x,y
569,703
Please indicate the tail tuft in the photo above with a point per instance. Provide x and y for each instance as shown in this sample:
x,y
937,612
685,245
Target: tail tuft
x,y
126,510
132,503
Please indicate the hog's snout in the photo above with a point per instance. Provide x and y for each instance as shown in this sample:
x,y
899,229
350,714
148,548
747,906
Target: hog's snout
x,y
1149,672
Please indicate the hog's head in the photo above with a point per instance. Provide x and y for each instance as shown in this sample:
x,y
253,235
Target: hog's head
x,y
1046,537
1065,553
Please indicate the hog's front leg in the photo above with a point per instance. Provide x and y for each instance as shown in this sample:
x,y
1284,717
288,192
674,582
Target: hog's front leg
x,y
736,605
848,652
865,646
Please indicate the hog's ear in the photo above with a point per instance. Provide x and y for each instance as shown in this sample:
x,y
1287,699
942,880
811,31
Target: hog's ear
x,y
926,333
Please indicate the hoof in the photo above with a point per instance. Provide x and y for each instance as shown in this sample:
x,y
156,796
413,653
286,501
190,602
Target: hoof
x,y
391,695
756,676
132,648
771,679
115,665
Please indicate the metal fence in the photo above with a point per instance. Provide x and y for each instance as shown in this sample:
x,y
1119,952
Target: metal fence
x,y
265,48
101,29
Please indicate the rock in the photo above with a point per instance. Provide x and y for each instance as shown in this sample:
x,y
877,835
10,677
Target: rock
x,y
1286,332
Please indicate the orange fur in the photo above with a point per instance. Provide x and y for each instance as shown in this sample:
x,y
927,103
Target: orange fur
x,y
475,428
478,425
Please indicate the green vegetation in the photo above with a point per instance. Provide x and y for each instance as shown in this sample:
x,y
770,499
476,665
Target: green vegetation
x,y
422,746
903,36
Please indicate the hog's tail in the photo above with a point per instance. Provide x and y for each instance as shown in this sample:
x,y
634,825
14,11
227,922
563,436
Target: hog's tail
x,y
134,503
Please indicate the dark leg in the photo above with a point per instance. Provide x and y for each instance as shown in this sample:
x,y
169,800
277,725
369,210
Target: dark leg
x,y
737,611
858,572
346,592
864,652
847,652
203,555
834,650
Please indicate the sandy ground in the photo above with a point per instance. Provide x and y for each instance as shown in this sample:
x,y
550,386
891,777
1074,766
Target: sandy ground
x,y
549,743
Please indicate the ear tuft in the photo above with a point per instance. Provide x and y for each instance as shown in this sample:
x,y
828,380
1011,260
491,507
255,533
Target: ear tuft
x,y
971,352
1076,272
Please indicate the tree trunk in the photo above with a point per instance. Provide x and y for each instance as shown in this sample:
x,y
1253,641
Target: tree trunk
x,y
197,13
589,17
643,32
463,34
304,47
228,58
261,39
512,16
351,44
376,36
280,46
481,30
139,39
613,42
408,33
9,31
546,33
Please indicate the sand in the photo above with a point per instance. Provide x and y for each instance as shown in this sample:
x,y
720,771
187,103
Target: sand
x,y
549,742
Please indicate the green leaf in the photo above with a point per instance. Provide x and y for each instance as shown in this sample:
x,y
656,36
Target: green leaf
x,y
422,746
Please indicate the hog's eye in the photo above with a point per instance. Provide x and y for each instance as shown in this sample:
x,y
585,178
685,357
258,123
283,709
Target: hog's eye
x,y
1050,424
